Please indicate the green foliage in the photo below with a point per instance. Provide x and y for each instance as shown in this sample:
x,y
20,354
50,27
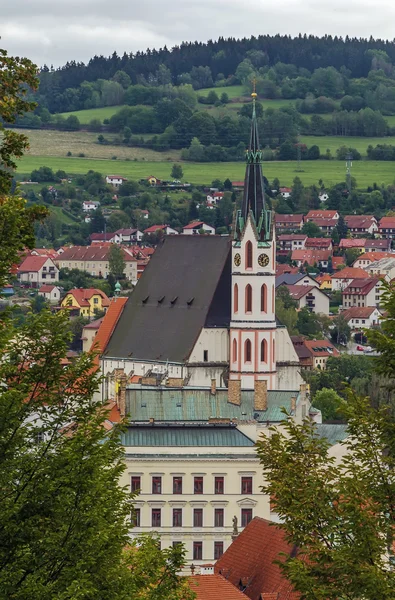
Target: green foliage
x,y
116,262
329,403
338,515
311,229
176,172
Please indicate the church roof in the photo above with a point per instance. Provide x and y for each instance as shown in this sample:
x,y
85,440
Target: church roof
x,y
186,286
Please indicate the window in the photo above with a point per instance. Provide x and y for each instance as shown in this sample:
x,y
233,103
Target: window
x,y
248,299
205,355
263,350
247,351
135,518
264,298
246,516
198,485
218,517
234,350
177,485
175,544
218,550
95,300
246,485
156,517
248,255
157,485
219,485
135,485
198,517
236,298
197,550
177,517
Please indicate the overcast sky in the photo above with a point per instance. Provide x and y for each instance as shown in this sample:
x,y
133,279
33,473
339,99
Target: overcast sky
x,y
54,31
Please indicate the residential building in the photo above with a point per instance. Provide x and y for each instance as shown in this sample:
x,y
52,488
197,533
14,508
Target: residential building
x,y
89,333
250,563
352,244
282,269
289,242
323,196
387,227
319,258
95,260
341,279
361,224
196,227
326,220
152,180
89,301
385,267
362,318
115,180
288,222
338,262
325,282
378,245
89,205
238,185
165,229
128,236
35,271
51,293
213,198
362,292
311,297
366,259
313,354
285,192
319,244
43,252
296,279
102,238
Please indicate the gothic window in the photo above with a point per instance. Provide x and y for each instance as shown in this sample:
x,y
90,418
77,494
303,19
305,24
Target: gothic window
x,y
248,255
236,298
264,298
247,351
234,350
248,298
263,351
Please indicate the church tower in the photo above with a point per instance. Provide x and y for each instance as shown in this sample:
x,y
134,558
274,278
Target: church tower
x,y
253,321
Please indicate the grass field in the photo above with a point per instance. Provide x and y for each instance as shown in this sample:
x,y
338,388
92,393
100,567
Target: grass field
x,y
365,172
58,143
85,116
335,142
61,216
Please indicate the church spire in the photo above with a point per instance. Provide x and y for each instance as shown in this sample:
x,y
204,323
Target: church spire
x,y
254,194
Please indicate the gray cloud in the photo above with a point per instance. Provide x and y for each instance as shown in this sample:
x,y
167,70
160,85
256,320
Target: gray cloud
x,y
55,31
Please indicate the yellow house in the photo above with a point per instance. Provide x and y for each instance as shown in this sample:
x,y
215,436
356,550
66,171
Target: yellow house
x,y
88,301
325,282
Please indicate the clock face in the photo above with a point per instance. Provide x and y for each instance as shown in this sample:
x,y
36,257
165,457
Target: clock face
x,y
237,260
263,260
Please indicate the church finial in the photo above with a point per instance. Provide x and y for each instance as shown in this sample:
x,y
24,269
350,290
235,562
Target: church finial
x,y
254,95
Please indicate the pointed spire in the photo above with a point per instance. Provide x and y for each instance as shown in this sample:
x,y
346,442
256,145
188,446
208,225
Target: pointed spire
x,y
254,195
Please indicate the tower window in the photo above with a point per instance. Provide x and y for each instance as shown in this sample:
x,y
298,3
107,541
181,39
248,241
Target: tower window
x,y
236,298
264,298
234,350
247,351
263,351
248,299
205,355
248,255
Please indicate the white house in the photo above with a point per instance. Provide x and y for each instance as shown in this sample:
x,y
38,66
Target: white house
x,y
37,270
363,317
89,205
341,279
213,198
50,293
196,226
115,180
384,267
128,236
311,297
363,293
165,229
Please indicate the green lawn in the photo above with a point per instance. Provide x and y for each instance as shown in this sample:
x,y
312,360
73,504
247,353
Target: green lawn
x,y
85,116
335,142
365,172
61,216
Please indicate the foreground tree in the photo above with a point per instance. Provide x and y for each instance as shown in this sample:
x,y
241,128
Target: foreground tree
x,y
116,262
341,517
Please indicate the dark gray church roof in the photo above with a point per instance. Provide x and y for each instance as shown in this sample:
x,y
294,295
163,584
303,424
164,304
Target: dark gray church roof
x,y
185,287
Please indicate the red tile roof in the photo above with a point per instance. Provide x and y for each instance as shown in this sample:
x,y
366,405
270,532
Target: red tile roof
x,y
298,291
387,223
359,221
194,224
351,273
288,219
320,348
384,243
311,256
289,237
91,253
356,312
281,269
82,296
337,261
320,243
373,256
361,286
32,264
155,228
46,289
101,237
107,327
214,587
321,214
352,243
250,560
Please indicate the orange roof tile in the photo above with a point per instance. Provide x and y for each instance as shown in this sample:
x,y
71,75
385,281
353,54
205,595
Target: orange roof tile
x,y
108,324
250,560
351,273
82,296
214,587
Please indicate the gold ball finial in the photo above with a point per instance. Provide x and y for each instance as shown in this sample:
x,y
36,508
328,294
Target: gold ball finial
x,y
254,94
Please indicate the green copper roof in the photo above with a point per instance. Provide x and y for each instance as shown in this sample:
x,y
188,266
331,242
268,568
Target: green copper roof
x,y
184,436
199,405
334,433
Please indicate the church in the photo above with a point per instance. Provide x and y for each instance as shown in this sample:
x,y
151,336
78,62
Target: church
x,y
203,313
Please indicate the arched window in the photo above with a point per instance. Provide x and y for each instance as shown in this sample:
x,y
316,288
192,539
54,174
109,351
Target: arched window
x,y
234,351
236,298
247,351
264,298
248,299
263,351
248,255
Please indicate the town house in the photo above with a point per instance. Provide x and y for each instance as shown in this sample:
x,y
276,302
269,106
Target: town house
x,y
362,292
35,271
